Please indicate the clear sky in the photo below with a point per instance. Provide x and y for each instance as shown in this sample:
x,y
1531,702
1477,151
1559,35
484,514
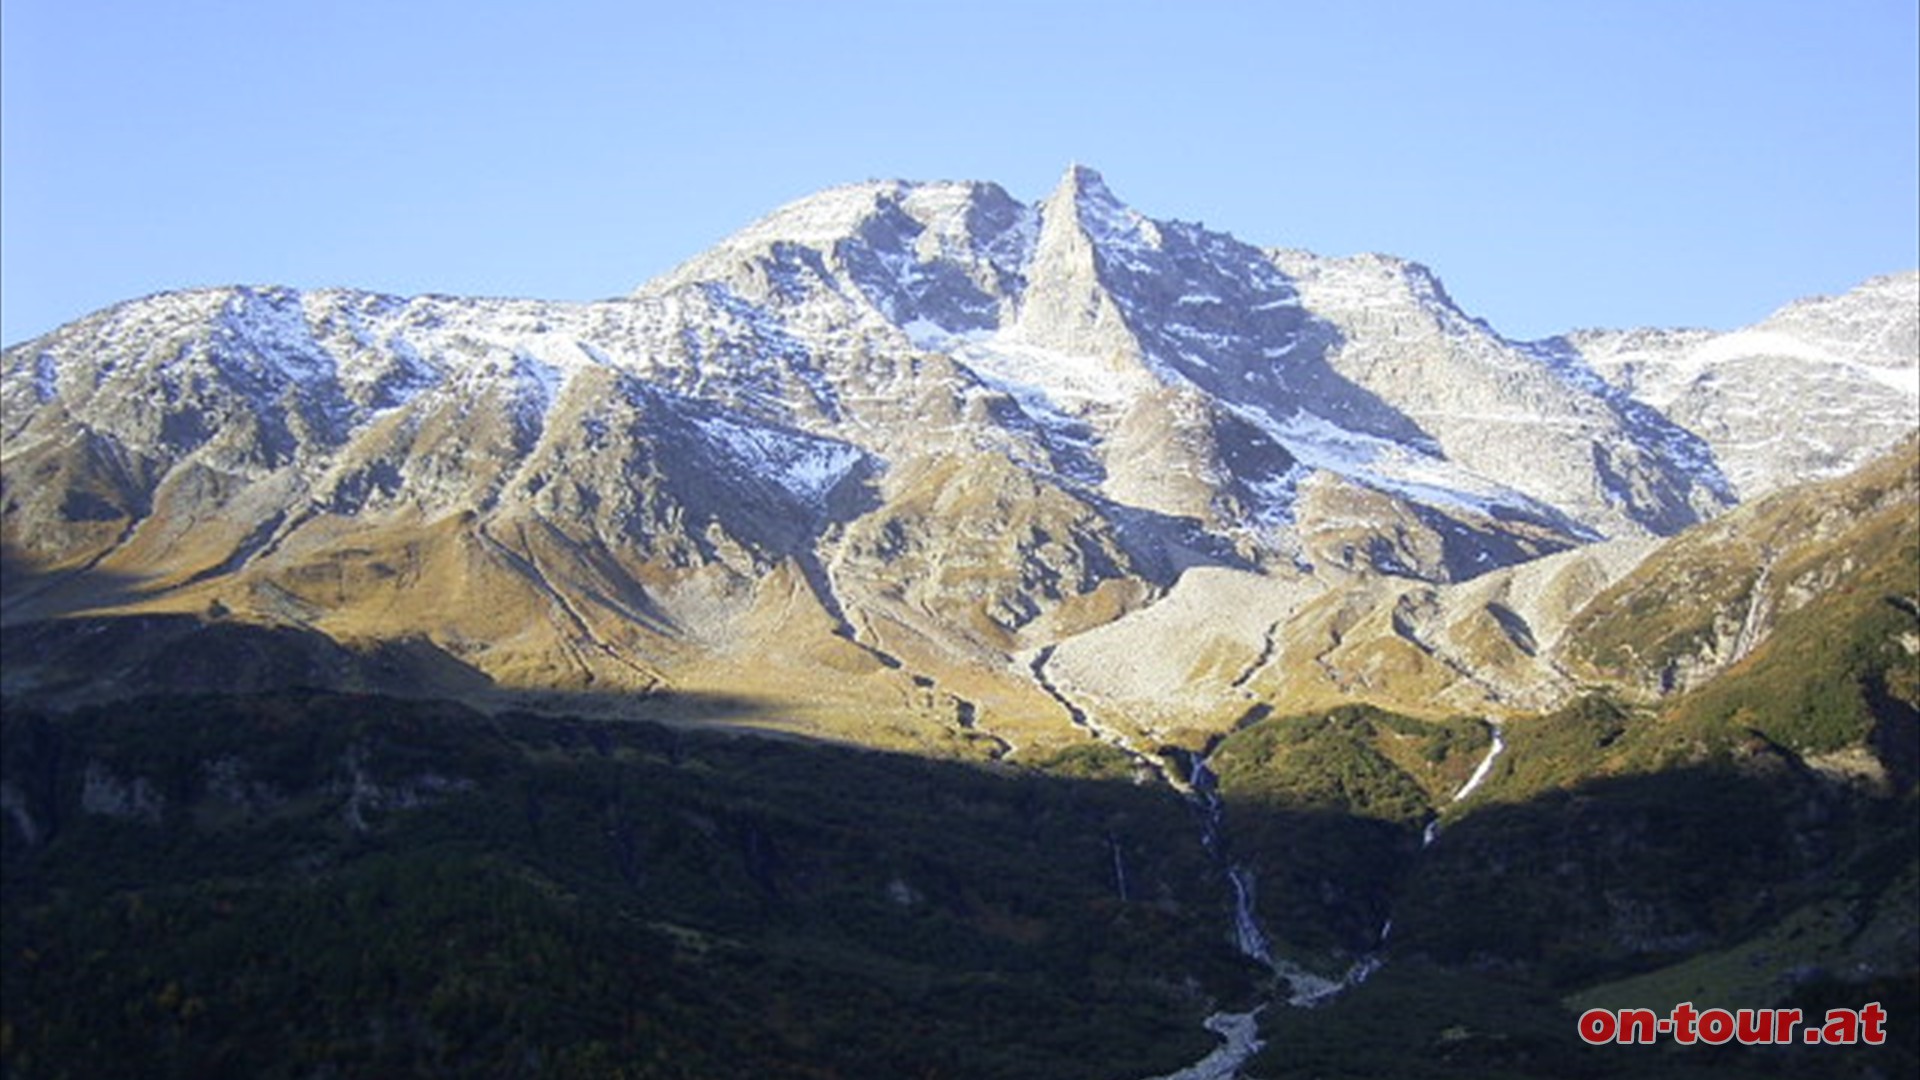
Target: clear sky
x,y
1560,163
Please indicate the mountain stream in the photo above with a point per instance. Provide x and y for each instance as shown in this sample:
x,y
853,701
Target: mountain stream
x,y
1240,1032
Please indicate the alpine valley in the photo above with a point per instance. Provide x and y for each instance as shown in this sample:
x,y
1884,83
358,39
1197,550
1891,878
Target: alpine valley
x,y
934,635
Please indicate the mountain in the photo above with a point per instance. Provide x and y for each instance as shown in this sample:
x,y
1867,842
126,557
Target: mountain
x,y
1287,661
1809,392
880,457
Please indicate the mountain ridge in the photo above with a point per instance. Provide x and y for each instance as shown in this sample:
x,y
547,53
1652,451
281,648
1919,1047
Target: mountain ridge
x,y
915,433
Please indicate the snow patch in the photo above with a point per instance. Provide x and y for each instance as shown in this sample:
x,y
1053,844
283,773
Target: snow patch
x,y
273,326
413,373
808,467
540,382
1385,465
46,378
1052,381
1274,497
1772,344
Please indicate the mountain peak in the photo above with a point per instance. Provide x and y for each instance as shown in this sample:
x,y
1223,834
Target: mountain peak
x,y
1083,193
1083,179
1067,305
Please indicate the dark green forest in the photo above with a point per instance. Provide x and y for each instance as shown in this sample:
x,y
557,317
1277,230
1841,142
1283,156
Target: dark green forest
x,y
308,884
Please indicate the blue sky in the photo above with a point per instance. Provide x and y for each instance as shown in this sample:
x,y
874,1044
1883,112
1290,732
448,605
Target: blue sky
x,y
1560,163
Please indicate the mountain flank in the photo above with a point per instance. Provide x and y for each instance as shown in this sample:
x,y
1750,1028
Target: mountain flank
x,y
868,460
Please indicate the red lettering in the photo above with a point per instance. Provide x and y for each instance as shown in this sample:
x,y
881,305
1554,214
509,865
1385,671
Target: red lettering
x,y
1597,1026
1873,1021
1683,1018
1842,1026
1637,1026
1754,1026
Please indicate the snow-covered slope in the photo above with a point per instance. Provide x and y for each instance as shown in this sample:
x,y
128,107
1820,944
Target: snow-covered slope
x,y
1814,390
889,440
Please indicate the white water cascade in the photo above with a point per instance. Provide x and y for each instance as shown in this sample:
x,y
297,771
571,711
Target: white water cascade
x,y
1205,794
1240,1035
1485,768
1304,989
1239,1032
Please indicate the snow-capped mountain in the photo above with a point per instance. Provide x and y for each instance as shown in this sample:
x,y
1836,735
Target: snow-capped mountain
x,y
1809,392
894,441
1161,348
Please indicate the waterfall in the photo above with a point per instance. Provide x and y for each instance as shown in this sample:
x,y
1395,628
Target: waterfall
x,y
1239,1032
1252,941
1205,795
1304,989
1363,968
1481,771
1119,868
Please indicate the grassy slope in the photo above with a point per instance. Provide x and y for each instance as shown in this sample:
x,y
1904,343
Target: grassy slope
x,y
1753,842
1857,536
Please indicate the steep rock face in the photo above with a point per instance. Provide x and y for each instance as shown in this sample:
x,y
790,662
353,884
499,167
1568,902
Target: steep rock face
x,y
1174,368
1532,418
950,255
1068,305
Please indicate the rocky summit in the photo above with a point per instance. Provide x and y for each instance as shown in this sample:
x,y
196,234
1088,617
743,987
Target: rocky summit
x,y
913,464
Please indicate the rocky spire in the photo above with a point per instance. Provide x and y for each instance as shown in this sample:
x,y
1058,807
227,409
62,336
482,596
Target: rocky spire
x,y
1067,304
